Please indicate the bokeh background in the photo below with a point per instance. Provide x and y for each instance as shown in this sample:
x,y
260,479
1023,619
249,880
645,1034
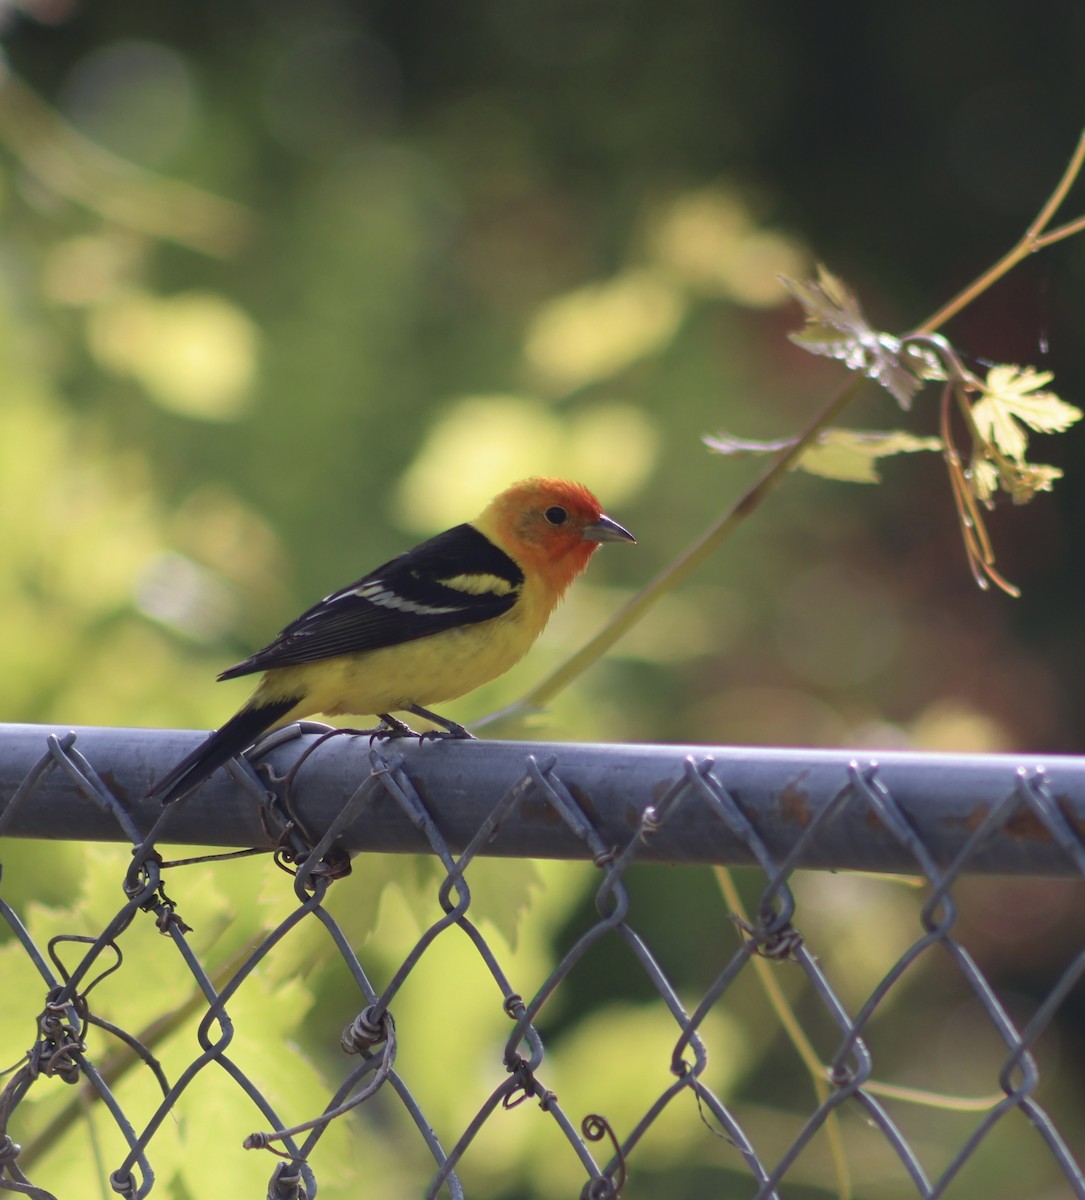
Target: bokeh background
x,y
290,286
285,287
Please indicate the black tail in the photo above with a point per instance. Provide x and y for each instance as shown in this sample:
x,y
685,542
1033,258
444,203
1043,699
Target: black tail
x,y
239,732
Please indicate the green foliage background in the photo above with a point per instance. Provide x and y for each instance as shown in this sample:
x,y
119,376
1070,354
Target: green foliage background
x,y
355,267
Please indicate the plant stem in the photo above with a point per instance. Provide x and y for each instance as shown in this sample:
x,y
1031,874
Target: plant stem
x,y
797,1036
683,566
1034,239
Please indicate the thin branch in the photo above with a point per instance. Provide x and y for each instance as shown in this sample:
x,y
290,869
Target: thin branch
x,y
1034,239
1059,233
72,166
1062,188
796,1035
943,1100
681,568
977,544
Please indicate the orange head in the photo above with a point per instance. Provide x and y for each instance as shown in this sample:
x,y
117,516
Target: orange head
x,y
550,526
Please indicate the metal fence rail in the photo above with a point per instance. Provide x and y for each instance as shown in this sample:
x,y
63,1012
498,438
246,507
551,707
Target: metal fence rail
x,y
316,801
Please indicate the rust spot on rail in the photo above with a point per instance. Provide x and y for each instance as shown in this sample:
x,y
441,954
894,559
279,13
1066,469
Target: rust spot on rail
x,y
1024,824
795,805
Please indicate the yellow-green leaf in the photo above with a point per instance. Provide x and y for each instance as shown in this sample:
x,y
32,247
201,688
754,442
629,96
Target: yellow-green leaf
x,y
852,454
1021,480
1011,399
1032,478
983,479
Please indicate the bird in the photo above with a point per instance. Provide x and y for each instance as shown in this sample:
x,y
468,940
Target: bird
x,y
427,626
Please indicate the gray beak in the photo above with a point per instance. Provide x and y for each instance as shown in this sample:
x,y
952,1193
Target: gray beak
x,y
606,530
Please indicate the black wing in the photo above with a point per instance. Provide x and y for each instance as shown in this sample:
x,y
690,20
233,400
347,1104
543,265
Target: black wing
x,y
457,578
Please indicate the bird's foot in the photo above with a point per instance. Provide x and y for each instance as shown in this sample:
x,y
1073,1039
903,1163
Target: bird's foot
x,y
390,727
445,735
449,730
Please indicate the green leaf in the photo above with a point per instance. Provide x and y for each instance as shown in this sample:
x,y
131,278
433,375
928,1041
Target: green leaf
x,y
852,454
836,328
847,454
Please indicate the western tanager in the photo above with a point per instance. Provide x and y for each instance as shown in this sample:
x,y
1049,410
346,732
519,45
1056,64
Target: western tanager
x,y
428,626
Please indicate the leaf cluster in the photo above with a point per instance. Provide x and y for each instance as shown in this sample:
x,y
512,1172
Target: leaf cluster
x,y
999,411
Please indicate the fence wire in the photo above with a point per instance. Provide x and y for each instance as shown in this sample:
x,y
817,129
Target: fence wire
x,y
315,801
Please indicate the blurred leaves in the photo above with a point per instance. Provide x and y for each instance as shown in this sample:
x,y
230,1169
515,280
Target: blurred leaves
x,y
596,331
482,442
446,264
77,169
193,353
132,996
710,240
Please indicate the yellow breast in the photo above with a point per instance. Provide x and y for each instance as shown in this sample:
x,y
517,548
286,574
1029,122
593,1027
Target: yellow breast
x,y
427,671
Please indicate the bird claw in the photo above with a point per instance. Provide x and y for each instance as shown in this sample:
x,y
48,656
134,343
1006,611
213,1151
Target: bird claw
x,y
454,733
392,727
449,729
389,728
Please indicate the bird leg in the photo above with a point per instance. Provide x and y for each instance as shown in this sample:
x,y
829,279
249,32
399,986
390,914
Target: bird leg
x,y
449,729
391,727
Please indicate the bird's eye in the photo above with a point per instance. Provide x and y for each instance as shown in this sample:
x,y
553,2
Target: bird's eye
x,y
556,515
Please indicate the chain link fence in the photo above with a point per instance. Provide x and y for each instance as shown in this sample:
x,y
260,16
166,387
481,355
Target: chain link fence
x,y
790,1033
